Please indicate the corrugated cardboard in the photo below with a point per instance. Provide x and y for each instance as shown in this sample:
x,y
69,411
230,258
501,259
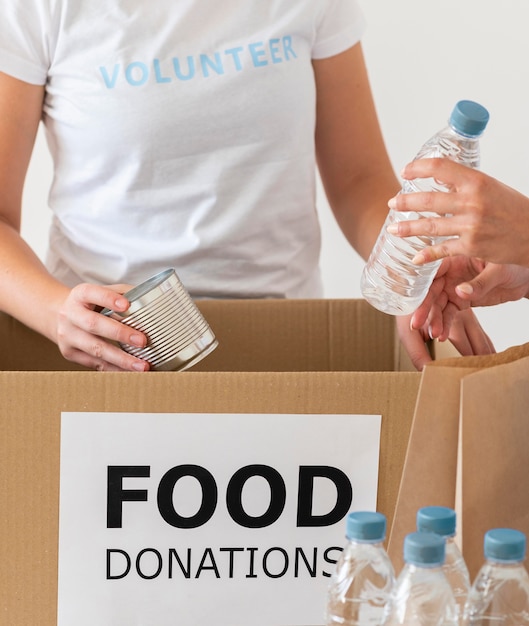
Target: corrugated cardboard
x,y
257,336
322,356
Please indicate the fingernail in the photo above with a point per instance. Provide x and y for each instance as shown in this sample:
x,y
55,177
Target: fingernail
x,y
392,204
137,340
418,259
393,229
121,303
465,288
139,366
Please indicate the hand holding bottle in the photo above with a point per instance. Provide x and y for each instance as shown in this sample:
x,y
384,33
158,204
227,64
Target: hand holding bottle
x,y
480,216
392,281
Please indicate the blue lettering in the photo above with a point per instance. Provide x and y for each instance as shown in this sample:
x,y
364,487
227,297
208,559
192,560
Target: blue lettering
x,y
207,63
190,69
257,50
287,47
274,51
143,71
110,81
235,53
158,73
256,54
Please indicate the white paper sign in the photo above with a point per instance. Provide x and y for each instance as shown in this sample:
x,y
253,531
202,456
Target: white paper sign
x,y
198,520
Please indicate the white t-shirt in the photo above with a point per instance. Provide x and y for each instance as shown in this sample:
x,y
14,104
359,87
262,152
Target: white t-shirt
x,y
182,135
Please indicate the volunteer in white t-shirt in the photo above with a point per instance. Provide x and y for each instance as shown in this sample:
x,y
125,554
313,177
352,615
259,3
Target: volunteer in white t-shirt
x,y
183,135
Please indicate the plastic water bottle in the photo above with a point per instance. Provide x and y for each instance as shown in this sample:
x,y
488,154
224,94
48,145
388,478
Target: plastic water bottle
x,y
442,520
500,593
364,576
422,595
390,281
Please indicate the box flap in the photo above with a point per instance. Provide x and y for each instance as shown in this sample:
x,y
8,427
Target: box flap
x,y
254,335
299,335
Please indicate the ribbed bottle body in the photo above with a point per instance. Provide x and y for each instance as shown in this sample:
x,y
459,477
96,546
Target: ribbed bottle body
x,y
390,281
422,596
360,586
499,596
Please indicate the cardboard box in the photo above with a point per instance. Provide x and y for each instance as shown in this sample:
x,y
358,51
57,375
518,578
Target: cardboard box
x,y
319,357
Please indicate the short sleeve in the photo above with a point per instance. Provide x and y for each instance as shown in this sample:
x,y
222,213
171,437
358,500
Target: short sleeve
x,y
24,40
340,25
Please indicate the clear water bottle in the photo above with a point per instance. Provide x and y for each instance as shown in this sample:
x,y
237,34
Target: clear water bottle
x,y
500,593
364,576
442,520
422,595
391,282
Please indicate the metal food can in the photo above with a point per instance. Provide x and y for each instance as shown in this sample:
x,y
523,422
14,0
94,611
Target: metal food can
x,y
178,335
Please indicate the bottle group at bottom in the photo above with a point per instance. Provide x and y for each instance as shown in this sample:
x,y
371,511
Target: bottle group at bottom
x,y
433,588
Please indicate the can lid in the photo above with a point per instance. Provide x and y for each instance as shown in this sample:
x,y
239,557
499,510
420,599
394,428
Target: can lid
x,y
504,545
147,292
469,118
424,548
437,519
366,526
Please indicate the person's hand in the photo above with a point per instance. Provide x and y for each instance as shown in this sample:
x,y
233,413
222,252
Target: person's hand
x,y
482,217
414,341
465,333
87,337
468,336
461,283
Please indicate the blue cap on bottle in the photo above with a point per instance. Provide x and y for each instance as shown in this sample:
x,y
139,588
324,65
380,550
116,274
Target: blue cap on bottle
x,y
366,526
437,519
424,548
469,118
504,545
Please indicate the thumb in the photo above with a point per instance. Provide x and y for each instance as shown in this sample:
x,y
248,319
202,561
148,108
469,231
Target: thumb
x,y
480,285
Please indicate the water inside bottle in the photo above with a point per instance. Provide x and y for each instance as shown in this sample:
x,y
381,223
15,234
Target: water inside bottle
x,y
384,284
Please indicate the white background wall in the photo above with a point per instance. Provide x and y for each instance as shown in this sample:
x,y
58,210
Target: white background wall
x,y
422,56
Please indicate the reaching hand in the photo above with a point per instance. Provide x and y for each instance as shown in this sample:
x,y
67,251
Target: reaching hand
x,y
86,337
461,283
465,333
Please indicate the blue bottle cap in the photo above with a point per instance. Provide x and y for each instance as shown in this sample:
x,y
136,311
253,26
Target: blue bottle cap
x,y
504,545
424,548
437,519
366,526
469,118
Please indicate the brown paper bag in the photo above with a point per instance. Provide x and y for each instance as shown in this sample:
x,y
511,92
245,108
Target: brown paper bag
x,y
469,449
